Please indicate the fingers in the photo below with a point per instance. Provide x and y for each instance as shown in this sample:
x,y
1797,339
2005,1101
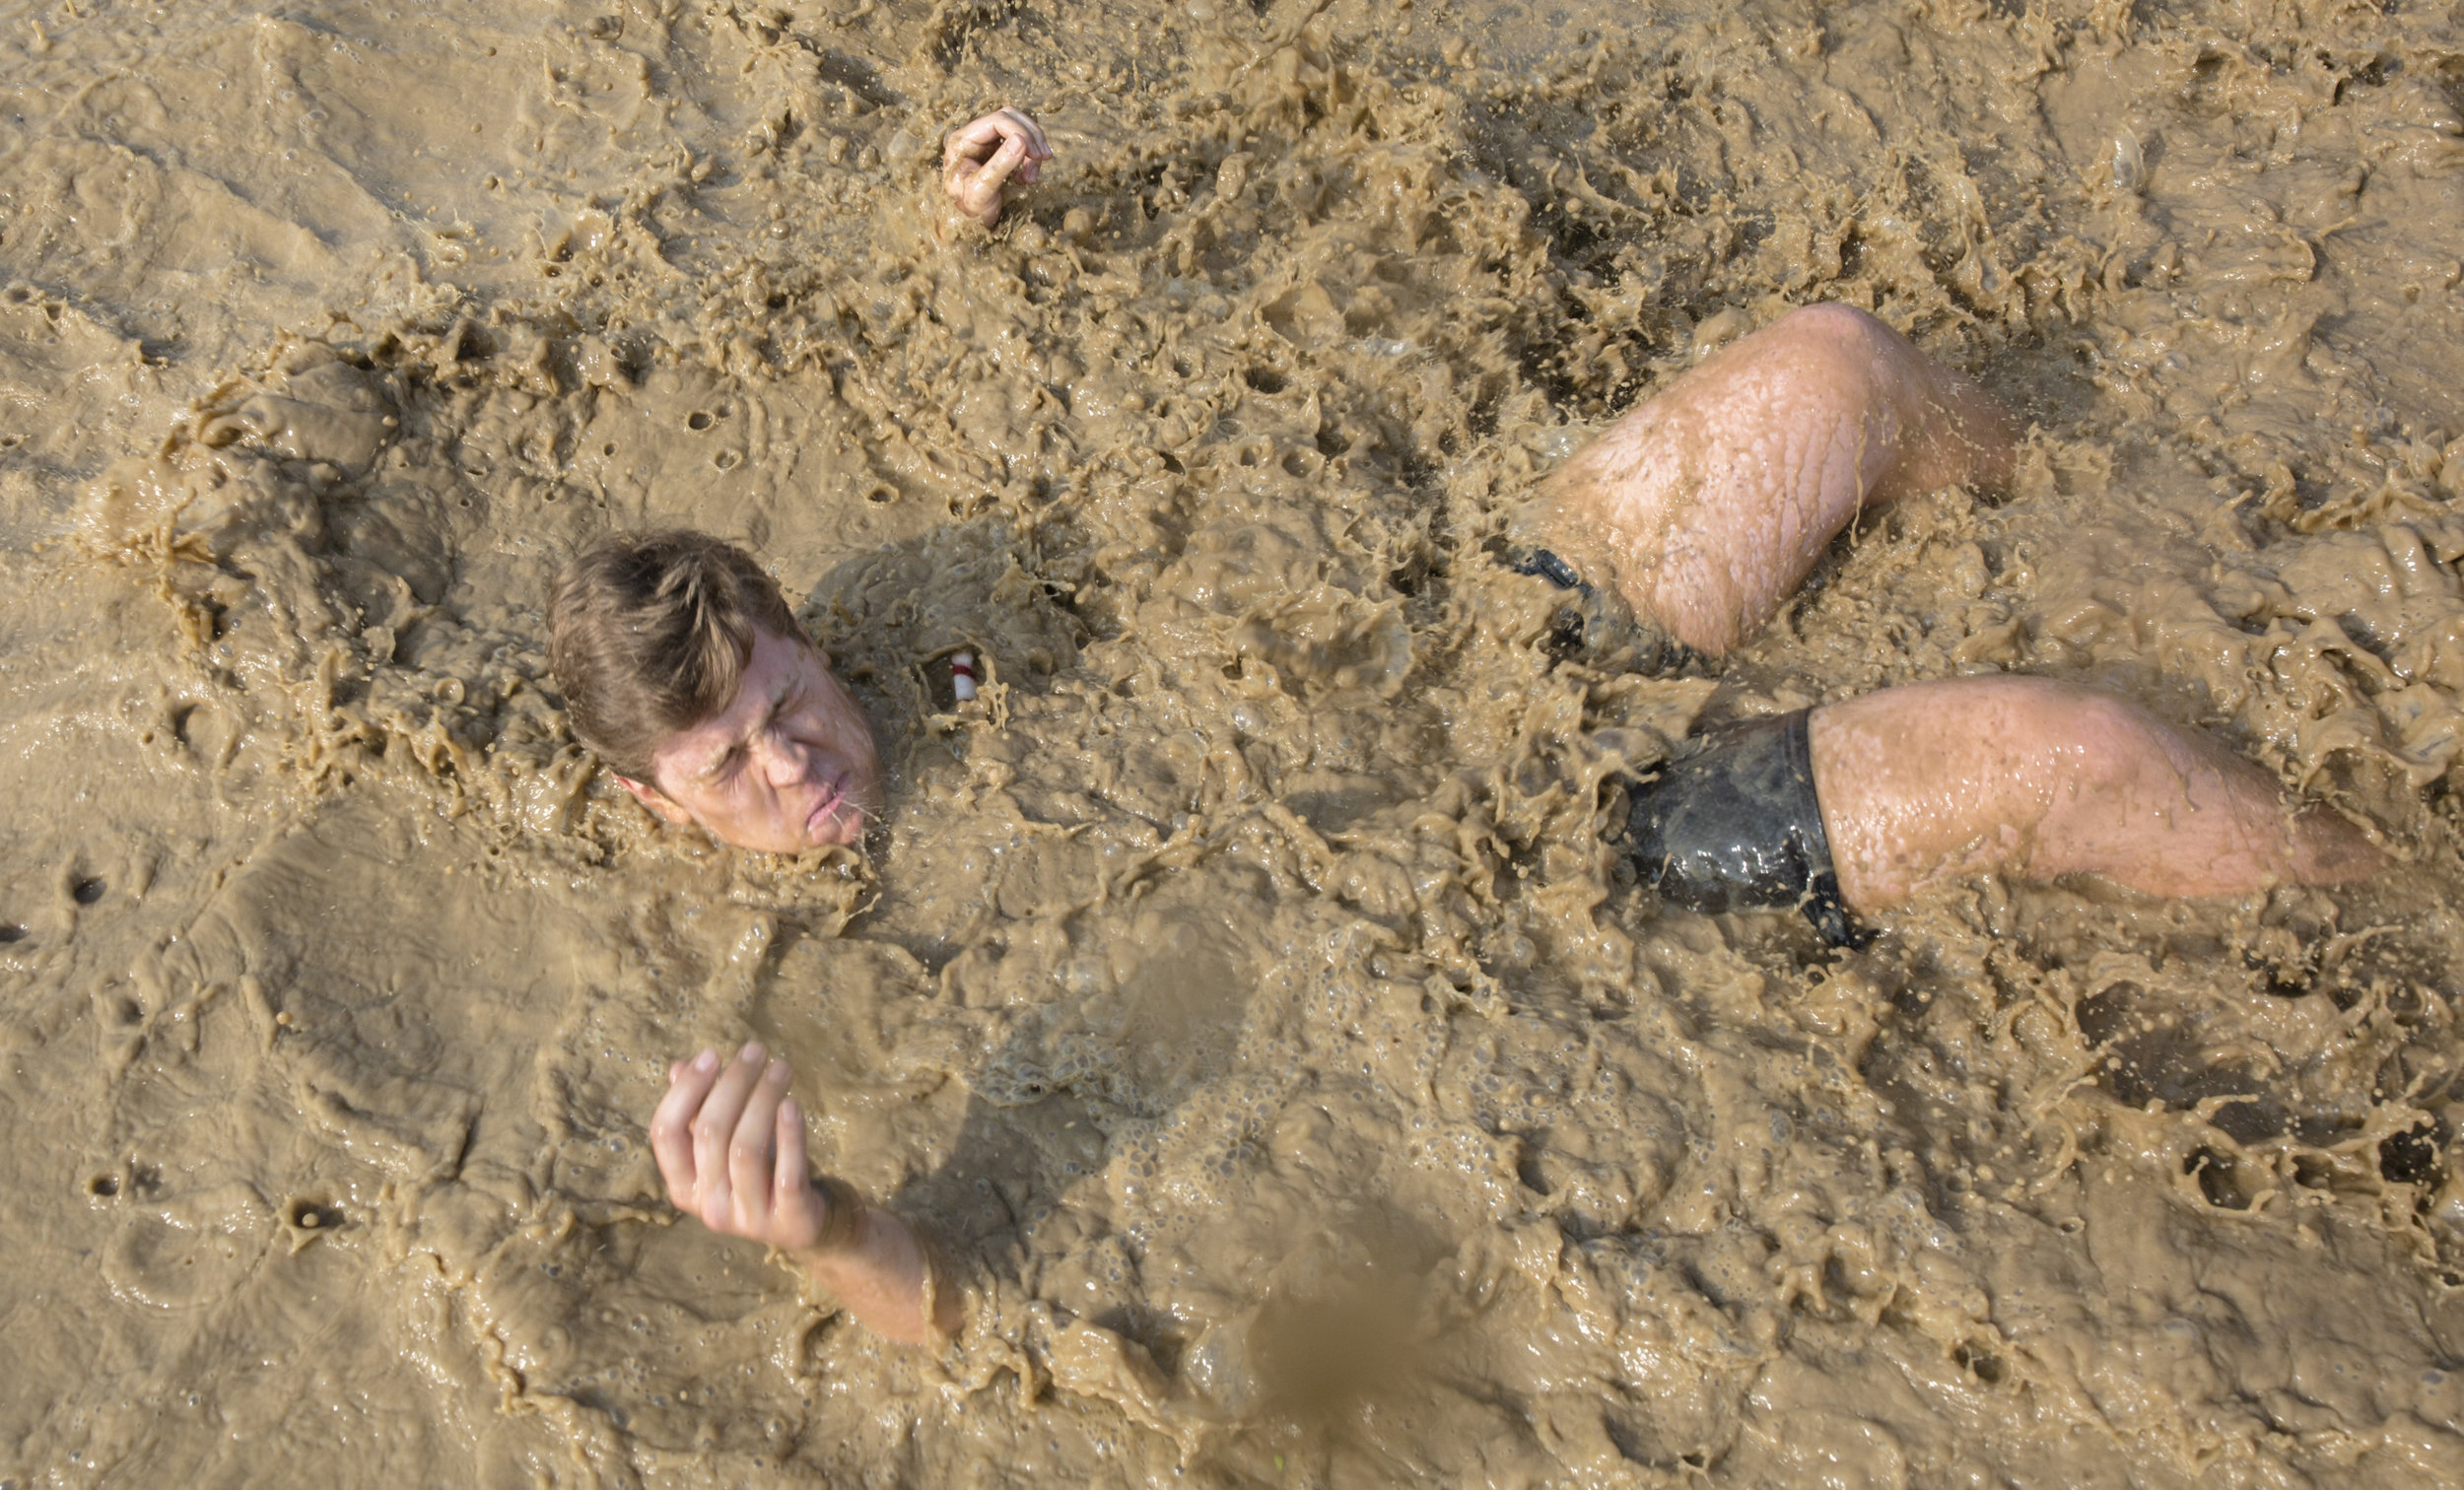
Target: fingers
x,y
1004,162
793,1178
730,1144
974,178
968,141
671,1130
978,159
750,1149
975,140
802,1214
974,188
1038,148
713,1129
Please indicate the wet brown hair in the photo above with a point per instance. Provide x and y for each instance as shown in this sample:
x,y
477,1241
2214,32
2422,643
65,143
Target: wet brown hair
x,y
648,633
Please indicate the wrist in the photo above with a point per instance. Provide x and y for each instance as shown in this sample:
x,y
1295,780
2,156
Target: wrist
x,y
841,1229
952,222
880,1270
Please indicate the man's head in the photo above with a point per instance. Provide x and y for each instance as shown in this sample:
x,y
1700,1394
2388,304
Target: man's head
x,y
684,668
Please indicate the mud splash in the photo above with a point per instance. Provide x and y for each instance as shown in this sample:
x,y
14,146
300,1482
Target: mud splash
x,y
1238,988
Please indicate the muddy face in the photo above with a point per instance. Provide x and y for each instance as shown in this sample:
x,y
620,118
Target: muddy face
x,y
1238,988
789,765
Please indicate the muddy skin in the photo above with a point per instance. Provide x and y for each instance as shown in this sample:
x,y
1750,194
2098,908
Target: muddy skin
x,y
2035,778
1239,994
1709,505
732,1145
790,765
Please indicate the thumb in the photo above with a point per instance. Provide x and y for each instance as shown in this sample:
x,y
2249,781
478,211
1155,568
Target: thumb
x,y
1005,160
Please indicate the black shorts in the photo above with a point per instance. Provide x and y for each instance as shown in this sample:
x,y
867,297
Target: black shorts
x,y
1733,821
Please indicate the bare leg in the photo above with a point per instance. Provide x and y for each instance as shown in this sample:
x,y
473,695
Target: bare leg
x,y
2041,779
1708,504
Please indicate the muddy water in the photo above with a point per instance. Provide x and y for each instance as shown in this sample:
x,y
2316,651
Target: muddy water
x,y
1238,989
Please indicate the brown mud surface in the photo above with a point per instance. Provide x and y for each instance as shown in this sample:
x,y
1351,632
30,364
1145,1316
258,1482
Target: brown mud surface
x,y
1239,990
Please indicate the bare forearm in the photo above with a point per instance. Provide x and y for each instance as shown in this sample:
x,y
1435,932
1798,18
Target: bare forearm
x,y
882,1275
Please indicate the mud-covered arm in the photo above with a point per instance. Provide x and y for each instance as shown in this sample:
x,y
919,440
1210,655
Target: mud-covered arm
x,y
730,1144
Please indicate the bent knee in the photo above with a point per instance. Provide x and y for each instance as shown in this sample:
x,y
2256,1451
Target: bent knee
x,y
1843,366
1981,753
1955,433
1844,326
1846,350
1860,346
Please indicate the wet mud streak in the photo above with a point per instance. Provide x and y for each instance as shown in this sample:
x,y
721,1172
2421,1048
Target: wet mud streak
x,y
1238,988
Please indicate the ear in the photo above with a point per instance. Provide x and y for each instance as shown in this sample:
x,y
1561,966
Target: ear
x,y
658,801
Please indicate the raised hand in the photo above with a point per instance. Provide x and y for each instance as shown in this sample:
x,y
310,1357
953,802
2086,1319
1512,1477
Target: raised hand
x,y
978,159
730,1144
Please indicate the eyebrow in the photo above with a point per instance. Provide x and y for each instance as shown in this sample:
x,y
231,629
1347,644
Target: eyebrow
x,y
778,700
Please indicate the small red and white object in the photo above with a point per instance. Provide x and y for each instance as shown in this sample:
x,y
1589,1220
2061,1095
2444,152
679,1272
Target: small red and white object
x,y
963,675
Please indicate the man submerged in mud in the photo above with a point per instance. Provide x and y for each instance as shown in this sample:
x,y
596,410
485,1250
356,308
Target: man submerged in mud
x,y
1684,528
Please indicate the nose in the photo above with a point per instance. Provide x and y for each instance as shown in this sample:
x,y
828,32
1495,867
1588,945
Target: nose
x,y
784,761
